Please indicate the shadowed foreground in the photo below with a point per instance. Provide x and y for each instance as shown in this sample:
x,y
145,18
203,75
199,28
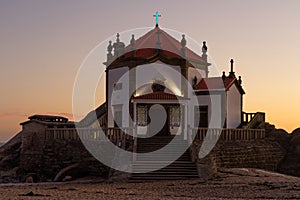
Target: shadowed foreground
x,y
229,183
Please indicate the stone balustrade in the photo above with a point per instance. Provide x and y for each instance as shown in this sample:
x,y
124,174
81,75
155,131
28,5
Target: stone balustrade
x,y
115,135
226,134
253,120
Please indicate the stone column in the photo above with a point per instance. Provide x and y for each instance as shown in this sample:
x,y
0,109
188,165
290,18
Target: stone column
x,y
186,131
134,121
134,132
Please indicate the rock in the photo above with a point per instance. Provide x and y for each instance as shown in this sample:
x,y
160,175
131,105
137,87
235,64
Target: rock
x,y
280,136
296,132
65,170
31,194
291,163
29,179
9,173
295,137
67,178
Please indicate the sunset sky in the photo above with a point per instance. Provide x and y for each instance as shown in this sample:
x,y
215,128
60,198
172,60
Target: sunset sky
x,y
43,43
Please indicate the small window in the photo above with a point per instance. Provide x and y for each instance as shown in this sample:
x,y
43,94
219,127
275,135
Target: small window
x,y
117,115
141,115
118,119
118,86
175,116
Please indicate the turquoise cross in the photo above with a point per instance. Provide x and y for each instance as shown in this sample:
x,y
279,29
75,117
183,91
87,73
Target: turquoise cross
x,y
156,17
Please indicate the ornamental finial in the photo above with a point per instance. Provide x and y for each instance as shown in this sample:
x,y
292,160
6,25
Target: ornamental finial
x,y
231,65
231,73
132,41
183,41
204,47
109,47
118,37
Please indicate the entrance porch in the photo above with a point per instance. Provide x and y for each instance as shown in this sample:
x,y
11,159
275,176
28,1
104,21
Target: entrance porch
x,y
160,114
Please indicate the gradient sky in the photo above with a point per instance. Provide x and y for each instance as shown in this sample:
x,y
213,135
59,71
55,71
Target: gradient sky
x,y
43,43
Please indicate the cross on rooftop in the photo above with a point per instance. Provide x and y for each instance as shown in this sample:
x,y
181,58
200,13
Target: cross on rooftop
x,y
156,17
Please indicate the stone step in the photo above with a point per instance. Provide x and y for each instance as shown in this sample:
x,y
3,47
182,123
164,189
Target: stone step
x,y
163,155
181,168
172,166
165,174
156,163
156,151
185,167
162,143
160,177
152,146
166,159
169,170
150,178
159,139
158,146
175,147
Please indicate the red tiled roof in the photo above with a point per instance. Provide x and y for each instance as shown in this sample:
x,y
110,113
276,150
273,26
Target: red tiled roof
x,y
146,46
160,96
215,83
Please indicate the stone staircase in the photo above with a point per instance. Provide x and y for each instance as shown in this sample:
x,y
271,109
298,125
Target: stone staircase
x,y
181,168
253,120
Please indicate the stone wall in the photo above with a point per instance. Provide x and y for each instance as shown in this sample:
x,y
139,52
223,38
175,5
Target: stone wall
x,y
44,157
262,154
56,155
31,153
45,153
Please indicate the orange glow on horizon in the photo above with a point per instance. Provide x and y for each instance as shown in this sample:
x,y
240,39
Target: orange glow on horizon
x,y
43,46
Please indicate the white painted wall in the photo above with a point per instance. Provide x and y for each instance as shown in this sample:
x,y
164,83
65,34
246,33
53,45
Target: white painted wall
x,y
233,107
118,97
146,73
214,103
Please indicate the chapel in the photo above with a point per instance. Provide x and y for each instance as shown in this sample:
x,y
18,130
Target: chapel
x,y
157,69
159,93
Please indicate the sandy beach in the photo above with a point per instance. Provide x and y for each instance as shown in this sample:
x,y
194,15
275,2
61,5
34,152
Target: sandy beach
x,y
228,184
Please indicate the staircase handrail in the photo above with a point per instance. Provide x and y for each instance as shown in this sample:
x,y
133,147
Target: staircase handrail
x,y
257,118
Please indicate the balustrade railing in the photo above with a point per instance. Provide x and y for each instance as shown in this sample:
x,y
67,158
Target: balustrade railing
x,y
228,134
121,136
253,120
115,135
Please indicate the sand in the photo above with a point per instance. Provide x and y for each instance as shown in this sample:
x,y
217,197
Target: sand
x,y
228,184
